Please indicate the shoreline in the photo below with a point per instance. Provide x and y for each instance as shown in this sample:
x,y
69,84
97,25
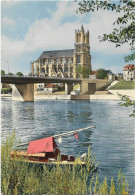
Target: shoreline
x,y
112,96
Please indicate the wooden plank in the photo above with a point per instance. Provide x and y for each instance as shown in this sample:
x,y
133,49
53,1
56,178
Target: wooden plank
x,y
24,153
53,163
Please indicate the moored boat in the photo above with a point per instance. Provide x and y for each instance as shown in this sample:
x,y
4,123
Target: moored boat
x,y
46,151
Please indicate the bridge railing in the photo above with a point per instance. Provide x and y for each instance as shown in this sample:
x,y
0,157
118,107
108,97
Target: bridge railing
x,y
33,76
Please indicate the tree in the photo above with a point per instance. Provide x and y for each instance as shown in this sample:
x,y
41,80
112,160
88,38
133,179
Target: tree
x,y
125,32
83,71
10,73
78,70
19,74
2,72
127,102
101,74
30,74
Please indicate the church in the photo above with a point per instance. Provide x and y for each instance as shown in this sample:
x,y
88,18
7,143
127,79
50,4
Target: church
x,y
63,63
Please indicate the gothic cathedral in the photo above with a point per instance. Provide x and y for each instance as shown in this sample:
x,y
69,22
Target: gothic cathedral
x,y
63,63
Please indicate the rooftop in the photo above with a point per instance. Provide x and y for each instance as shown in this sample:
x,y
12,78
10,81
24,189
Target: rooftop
x,y
57,53
51,86
129,66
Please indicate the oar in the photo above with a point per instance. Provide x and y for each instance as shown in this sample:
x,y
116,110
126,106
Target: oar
x,y
72,132
63,134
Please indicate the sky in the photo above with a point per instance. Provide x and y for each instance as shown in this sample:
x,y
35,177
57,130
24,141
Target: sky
x,y
30,27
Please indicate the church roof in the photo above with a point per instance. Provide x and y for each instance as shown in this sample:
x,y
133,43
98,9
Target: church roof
x,y
57,53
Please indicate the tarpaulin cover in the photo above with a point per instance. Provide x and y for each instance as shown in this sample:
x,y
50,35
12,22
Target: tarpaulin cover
x,y
42,145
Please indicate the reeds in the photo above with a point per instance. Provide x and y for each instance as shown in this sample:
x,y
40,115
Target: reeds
x,y
21,178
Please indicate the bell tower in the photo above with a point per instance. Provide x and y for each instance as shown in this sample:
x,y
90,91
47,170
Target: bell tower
x,y
82,55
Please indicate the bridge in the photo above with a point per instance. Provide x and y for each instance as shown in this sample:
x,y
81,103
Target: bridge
x,y
36,79
23,87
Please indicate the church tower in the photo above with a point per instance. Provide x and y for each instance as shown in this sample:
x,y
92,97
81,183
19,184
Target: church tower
x,y
82,51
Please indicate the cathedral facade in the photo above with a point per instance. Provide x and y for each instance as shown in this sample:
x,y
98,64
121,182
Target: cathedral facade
x,y
63,63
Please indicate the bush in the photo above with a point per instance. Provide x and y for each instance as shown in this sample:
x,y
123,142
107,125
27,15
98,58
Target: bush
x,y
6,90
19,178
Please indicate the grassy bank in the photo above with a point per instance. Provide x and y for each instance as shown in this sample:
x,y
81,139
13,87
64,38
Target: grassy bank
x,y
6,90
124,85
19,178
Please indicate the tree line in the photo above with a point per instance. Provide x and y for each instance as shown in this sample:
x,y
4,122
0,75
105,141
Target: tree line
x,y
10,73
84,72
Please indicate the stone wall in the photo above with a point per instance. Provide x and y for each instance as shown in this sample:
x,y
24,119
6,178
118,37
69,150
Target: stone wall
x,y
130,93
52,97
80,97
100,84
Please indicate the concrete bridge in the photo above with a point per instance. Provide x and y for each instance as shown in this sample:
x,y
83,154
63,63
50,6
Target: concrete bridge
x,y
23,88
36,79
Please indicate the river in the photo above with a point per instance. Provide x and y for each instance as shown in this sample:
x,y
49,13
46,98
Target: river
x,y
112,141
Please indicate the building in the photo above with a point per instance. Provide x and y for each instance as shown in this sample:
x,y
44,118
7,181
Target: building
x,y
129,72
93,74
63,63
110,75
39,86
119,76
50,88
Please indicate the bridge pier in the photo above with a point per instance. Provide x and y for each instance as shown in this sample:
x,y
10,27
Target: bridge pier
x,y
23,92
87,87
68,88
83,87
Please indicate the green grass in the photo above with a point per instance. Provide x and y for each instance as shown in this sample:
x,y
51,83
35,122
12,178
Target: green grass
x,y
124,85
76,86
6,90
19,178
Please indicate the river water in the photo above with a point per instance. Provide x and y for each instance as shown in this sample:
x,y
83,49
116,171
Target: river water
x,y
112,141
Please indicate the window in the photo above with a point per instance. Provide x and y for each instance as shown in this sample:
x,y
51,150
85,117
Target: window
x,y
49,61
47,69
60,61
78,59
56,61
42,70
66,69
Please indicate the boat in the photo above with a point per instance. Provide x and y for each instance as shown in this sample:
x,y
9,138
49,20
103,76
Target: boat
x,y
46,151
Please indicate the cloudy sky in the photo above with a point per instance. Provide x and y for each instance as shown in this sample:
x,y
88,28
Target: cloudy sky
x,y
31,27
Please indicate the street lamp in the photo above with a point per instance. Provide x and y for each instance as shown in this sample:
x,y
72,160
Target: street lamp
x,y
8,66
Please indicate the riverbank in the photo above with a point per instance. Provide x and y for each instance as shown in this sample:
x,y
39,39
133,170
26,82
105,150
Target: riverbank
x,y
6,95
52,97
130,93
99,95
113,95
105,97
